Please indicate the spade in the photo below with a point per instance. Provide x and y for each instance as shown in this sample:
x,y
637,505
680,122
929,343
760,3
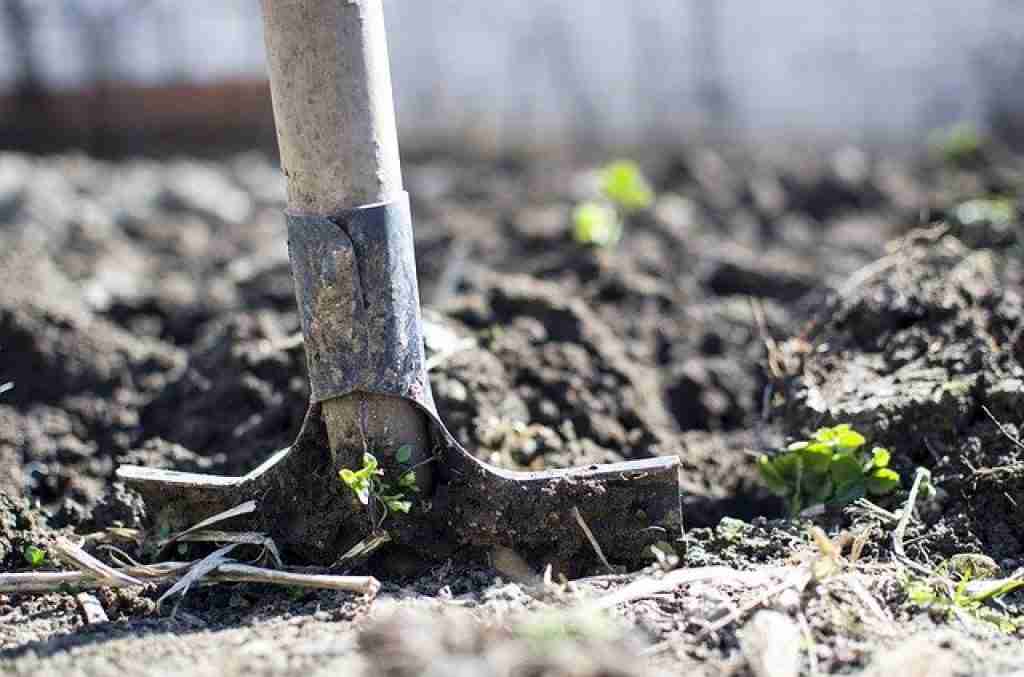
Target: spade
x,y
350,243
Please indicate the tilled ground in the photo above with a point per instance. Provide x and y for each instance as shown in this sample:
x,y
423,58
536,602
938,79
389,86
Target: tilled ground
x,y
147,316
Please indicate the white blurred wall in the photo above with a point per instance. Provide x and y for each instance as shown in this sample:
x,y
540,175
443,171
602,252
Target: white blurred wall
x,y
520,71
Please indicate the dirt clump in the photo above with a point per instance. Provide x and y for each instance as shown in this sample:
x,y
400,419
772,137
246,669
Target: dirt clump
x,y
922,358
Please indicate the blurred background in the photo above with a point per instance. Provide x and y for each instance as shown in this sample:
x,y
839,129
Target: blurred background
x,y
128,76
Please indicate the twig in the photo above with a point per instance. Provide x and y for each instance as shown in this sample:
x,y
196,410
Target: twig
x,y
1002,428
55,581
590,537
112,535
229,572
876,510
366,546
238,537
900,532
673,579
243,509
80,559
245,573
198,570
798,579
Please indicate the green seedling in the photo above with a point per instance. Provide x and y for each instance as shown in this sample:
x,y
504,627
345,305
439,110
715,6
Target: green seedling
x,y
972,594
366,483
597,224
624,185
624,190
361,481
960,144
34,556
831,468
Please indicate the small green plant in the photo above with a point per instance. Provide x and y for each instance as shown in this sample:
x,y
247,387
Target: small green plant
x,y
832,468
367,485
624,185
960,144
597,224
970,595
623,190
34,556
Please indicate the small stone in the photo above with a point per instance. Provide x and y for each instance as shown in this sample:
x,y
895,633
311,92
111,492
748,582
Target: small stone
x,y
91,609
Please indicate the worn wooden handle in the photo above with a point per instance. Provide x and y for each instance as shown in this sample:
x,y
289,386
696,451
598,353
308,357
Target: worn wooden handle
x,y
330,80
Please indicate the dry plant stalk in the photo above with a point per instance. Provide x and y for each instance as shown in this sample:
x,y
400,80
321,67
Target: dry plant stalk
x,y
92,574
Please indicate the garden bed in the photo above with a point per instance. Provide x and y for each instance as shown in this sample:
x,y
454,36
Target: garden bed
x,y
147,316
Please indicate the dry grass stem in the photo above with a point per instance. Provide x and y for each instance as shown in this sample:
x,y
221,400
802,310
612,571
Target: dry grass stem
x,y
900,533
593,541
243,509
80,559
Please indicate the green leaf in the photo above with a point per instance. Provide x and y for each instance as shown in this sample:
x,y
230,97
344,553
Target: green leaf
x,y
408,481
790,468
850,440
980,591
817,487
882,481
369,464
817,458
849,492
921,594
404,453
772,479
34,555
623,183
596,224
845,468
828,468
358,481
830,434
880,457
973,565
396,503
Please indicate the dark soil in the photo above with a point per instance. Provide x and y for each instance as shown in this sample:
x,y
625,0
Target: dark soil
x,y
147,317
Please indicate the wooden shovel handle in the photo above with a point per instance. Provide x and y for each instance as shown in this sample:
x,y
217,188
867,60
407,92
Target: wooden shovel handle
x,y
330,81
